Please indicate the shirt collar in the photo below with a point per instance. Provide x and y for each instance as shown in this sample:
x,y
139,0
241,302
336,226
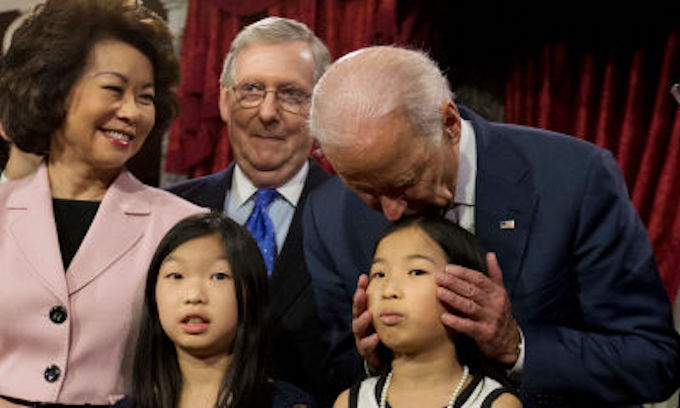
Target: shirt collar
x,y
3,178
467,165
243,188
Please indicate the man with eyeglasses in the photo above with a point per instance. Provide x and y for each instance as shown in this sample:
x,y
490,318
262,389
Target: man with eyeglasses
x,y
265,92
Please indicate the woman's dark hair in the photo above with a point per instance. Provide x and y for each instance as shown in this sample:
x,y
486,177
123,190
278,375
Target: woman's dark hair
x,y
461,248
156,379
49,52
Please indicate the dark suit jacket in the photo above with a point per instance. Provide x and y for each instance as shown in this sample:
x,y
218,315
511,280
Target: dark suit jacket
x,y
298,339
578,267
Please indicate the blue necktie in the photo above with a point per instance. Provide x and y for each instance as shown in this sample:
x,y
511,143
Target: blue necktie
x,y
262,228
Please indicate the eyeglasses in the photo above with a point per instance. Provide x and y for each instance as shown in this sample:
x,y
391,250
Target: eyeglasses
x,y
290,98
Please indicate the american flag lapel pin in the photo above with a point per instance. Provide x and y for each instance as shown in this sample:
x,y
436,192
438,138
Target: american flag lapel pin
x,y
507,224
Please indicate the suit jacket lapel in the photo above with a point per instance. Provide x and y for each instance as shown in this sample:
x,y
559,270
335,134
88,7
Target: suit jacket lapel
x,y
223,185
207,191
290,275
212,195
505,199
118,225
32,227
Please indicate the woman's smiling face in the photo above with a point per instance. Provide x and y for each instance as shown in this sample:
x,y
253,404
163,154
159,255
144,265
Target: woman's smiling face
x,y
110,109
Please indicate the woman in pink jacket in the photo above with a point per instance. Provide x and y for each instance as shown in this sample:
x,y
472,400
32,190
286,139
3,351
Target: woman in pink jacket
x,y
84,83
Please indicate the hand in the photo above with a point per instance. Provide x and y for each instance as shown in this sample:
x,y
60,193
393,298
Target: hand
x,y
483,307
365,337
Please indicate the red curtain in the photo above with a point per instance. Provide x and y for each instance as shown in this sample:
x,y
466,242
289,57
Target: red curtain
x,y
618,99
199,143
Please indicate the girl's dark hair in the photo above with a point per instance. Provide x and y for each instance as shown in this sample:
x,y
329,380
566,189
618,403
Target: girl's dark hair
x,y
156,379
49,52
461,248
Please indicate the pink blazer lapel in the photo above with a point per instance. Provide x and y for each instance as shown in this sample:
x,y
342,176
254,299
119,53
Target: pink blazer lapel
x,y
119,224
31,224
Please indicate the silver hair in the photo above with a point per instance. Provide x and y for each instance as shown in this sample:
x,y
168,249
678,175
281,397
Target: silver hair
x,y
273,30
373,82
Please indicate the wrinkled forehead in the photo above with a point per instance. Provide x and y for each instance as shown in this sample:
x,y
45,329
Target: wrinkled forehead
x,y
377,150
289,61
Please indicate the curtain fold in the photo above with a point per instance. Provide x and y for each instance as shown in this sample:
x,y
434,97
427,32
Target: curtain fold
x,y
617,98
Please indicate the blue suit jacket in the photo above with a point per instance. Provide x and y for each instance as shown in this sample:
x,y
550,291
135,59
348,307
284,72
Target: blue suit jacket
x,y
578,267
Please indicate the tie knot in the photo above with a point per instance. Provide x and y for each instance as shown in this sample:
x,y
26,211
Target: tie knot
x,y
265,196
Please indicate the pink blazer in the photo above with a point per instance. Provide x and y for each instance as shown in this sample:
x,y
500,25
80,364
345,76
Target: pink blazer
x,y
84,358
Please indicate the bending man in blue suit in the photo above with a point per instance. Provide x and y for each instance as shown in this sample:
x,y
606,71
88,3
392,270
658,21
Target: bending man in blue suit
x,y
573,305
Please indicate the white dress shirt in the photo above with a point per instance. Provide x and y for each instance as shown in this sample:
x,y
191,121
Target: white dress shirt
x,y
463,209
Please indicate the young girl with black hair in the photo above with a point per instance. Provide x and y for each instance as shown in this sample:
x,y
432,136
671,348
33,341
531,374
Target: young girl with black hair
x,y
428,364
204,329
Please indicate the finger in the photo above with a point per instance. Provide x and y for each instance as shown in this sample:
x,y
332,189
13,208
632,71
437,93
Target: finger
x,y
360,300
494,269
363,281
466,282
450,276
461,325
461,304
367,349
368,344
458,284
471,276
361,324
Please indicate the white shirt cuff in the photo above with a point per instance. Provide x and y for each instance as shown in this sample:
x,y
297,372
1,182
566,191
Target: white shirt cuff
x,y
516,371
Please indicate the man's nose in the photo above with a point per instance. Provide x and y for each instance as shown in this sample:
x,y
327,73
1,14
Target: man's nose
x,y
269,108
393,208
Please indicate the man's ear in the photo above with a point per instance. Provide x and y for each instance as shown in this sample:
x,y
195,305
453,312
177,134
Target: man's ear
x,y
451,121
225,102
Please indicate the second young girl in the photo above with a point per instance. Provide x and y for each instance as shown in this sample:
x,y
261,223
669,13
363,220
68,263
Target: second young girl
x,y
429,365
203,340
